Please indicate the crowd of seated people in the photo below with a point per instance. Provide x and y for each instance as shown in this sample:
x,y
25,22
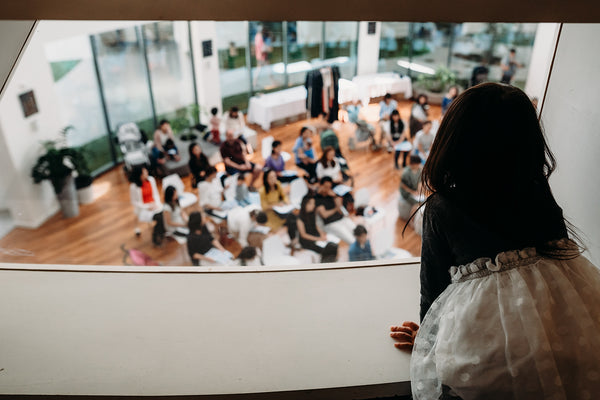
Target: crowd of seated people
x,y
324,214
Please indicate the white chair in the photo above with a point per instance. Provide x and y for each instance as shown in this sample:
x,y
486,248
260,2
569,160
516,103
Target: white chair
x,y
298,190
275,253
362,197
265,147
186,199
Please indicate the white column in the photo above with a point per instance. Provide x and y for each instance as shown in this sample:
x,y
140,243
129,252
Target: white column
x,y
571,118
368,48
541,59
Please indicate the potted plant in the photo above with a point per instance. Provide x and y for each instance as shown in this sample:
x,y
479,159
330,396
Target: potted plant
x,y
59,164
83,184
434,86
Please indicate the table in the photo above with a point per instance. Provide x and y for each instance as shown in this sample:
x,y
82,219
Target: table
x,y
266,108
366,87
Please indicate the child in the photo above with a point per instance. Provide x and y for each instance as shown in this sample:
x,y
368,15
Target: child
x,y
360,250
249,257
510,309
241,191
215,123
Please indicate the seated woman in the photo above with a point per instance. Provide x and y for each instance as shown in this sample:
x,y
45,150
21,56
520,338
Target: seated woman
x,y
449,98
304,153
272,195
200,241
330,209
329,166
210,192
418,114
164,144
144,195
410,188
175,218
198,164
276,162
306,223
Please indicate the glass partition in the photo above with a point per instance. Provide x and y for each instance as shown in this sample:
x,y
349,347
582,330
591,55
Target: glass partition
x,y
341,46
234,74
267,49
78,97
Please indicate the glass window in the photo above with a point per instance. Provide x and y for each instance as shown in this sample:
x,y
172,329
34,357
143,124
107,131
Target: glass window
x,y
78,96
123,78
266,47
232,47
341,44
304,49
170,65
394,46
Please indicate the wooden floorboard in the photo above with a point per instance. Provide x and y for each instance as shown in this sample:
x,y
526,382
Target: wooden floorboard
x,y
97,234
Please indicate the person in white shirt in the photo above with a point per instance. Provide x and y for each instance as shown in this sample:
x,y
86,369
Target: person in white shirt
x,y
386,107
176,220
234,122
241,221
423,141
210,192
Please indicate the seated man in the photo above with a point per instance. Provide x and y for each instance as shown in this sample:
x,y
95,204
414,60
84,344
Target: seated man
x,y
329,208
164,144
234,157
234,121
241,221
410,187
360,250
210,192
423,141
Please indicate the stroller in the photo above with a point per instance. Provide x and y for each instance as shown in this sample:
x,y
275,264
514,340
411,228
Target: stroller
x,y
132,146
364,132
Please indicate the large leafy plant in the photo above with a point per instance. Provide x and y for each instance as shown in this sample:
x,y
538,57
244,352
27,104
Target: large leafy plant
x,y
58,162
438,82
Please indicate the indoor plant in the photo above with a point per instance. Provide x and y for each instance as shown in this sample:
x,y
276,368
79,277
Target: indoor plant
x,y
59,164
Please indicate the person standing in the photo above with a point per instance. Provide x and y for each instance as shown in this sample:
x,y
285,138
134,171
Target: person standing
x,y
509,67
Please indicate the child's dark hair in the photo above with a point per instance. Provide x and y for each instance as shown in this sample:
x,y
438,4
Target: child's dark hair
x,y
359,230
330,253
135,176
214,110
274,145
163,121
195,221
469,164
260,216
414,159
387,96
247,253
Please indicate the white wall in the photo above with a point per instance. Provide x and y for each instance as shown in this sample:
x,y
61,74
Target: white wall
x,y
206,68
186,332
571,116
541,59
368,49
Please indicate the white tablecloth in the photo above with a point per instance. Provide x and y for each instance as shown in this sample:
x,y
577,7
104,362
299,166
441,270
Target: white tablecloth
x,y
365,87
267,108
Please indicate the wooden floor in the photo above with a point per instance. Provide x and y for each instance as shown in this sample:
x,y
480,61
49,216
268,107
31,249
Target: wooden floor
x,y
95,237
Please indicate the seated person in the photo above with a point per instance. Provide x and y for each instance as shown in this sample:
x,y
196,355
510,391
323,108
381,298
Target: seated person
x,y
234,121
215,124
386,107
241,220
360,250
200,240
271,195
329,208
276,163
163,149
210,192
307,227
175,218
396,137
304,153
410,187
423,141
144,195
242,196
198,164
329,166
418,114
232,152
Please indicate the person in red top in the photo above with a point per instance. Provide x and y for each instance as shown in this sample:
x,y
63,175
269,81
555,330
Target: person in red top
x,y
144,195
232,152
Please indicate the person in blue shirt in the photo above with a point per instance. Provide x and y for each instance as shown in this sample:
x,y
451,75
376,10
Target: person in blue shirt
x,y
360,250
305,154
451,95
386,107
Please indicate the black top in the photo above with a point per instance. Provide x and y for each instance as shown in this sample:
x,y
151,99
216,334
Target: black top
x,y
396,129
454,236
310,224
198,165
329,203
199,243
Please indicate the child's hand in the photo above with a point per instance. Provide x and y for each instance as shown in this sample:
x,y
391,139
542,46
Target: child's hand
x,y
404,335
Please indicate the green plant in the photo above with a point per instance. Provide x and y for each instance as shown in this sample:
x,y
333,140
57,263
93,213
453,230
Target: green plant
x,y
438,82
59,162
